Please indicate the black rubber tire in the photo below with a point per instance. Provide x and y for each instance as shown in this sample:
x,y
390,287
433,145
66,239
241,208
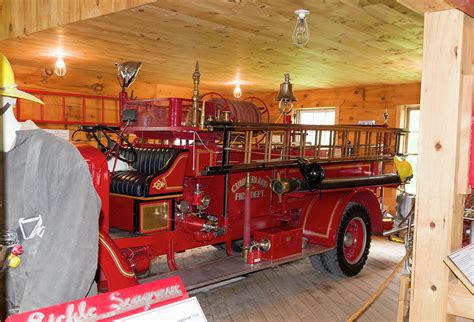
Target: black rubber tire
x,y
236,246
318,265
334,260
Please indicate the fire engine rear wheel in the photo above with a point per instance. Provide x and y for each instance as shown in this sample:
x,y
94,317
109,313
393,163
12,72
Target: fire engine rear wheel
x,y
352,244
236,246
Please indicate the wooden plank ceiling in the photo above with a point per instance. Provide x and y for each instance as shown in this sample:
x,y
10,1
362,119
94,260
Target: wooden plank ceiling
x,y
21,17
353,42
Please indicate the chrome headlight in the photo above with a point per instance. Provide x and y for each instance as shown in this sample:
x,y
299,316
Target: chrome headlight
x,y
183,206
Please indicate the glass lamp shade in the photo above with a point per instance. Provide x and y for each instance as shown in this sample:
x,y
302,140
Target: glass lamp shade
x,y
237,91
127,73
60,67
301,32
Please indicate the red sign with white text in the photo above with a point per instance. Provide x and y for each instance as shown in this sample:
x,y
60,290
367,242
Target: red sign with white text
x,y
107,306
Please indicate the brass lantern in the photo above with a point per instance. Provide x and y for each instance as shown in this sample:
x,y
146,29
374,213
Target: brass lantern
x,y
285,96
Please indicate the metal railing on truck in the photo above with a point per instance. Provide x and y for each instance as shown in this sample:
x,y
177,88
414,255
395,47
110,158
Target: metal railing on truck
x,y
270,146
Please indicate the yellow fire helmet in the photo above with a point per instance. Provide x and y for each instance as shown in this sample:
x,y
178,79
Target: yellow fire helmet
x,y
404,169
7,83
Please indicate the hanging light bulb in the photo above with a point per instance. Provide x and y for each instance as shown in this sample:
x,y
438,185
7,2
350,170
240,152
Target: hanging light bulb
x,y
237,91
301,33
60,66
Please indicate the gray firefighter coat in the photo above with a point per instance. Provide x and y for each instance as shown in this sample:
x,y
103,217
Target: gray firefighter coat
x,y
52,205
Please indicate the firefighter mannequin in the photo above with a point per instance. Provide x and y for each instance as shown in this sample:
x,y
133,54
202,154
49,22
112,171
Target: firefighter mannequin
x,y
51,212
10,124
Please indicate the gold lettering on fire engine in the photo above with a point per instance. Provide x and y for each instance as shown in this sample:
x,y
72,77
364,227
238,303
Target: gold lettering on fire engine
x,y
254,180
160,184
253,195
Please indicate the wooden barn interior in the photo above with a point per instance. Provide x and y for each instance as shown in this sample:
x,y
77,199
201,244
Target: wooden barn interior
x,y
405,63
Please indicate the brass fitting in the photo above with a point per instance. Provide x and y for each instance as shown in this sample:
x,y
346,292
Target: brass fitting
x,y
196,77
245,252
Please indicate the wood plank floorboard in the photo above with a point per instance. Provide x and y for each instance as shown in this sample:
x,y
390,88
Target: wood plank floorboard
x,y
313,300
297,292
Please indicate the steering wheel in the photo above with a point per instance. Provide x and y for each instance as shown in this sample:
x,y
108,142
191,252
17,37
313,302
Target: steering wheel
x,y
113,147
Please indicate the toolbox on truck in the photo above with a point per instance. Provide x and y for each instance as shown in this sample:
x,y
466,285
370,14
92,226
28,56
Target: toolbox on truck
x,y
285,241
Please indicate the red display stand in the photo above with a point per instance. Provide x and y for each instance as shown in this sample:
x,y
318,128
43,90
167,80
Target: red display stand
x,y
137,303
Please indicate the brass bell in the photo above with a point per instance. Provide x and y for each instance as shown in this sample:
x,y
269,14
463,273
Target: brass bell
x,y
286,91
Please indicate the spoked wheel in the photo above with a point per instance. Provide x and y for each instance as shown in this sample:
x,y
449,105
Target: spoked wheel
x,y
221,102
352,244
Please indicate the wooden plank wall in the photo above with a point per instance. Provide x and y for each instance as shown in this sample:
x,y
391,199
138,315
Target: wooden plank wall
x,y
355,103
84,82
89,82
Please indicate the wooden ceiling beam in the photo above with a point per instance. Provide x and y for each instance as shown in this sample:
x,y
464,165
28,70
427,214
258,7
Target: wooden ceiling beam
x,y
23,17
422,6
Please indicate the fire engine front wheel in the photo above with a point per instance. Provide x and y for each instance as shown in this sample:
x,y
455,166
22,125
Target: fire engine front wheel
x,y
352,244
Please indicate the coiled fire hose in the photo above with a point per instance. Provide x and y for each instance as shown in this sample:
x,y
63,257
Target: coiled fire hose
x,y
382,287
241,111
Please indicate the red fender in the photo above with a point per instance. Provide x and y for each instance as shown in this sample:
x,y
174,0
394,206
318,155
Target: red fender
x,y
368,199
321,217
112,264
117,270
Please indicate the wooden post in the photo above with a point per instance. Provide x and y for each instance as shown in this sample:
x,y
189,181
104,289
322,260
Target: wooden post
x,y
403,297
446,110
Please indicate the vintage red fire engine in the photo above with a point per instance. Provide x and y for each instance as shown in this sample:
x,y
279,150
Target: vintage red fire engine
x,y
211,171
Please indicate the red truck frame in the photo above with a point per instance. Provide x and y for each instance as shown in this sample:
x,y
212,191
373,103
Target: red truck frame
x,y
266,193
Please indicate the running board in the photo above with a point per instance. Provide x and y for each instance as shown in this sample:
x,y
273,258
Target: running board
x,y
228,267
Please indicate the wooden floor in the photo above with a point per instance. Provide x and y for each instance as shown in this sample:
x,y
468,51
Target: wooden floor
x,y
297,292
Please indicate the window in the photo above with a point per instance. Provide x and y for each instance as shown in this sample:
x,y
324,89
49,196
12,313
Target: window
x,y
317,116
412,123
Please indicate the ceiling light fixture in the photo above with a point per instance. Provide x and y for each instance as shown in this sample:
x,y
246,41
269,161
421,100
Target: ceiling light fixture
x,y
60,66
301,33
237,91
